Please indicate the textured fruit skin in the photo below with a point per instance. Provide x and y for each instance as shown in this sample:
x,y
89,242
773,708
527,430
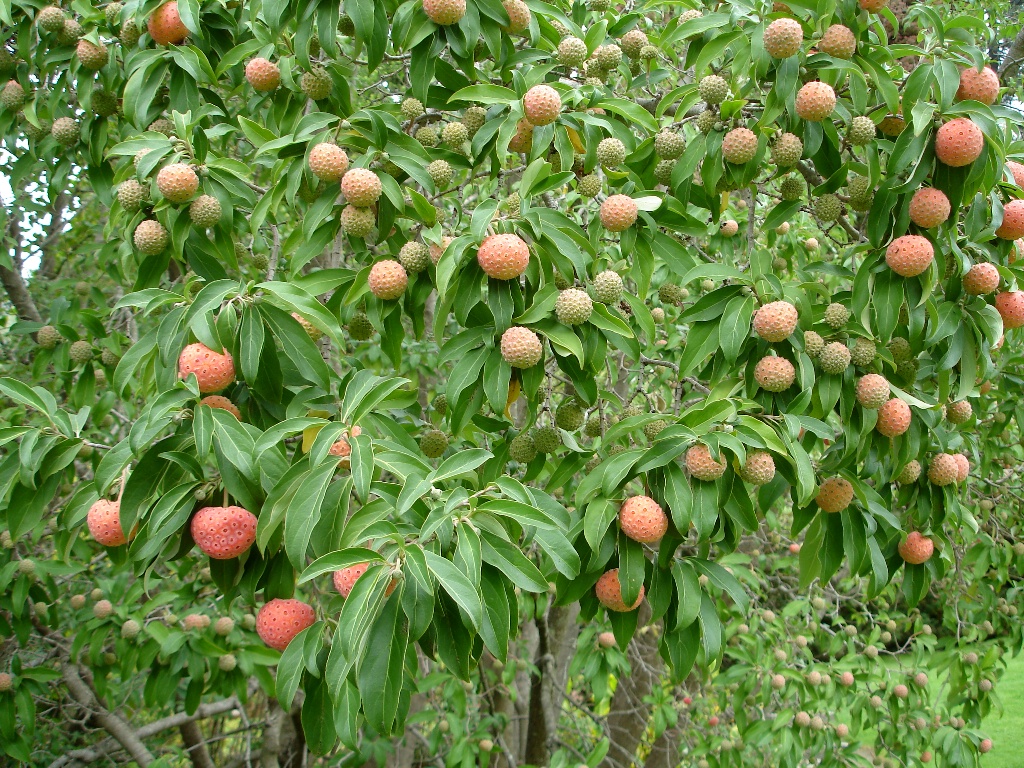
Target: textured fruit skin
x,y
165,25
80,352
521,347
815,101
205,211
893,418
92,57
873,6
959,142
980,86
433,443
13,96
522,449
669,144
572,51
573,306
503,257
104,521
345,579
547,439
541,105
213,370
440,172
834,358
1010,305
609,593
357,222
224,532
177,182
909,255
929,207
642,519
863,353
729,228
1013,221
66,131
813,344
444,12
916,549
791,188
522,141
713,89
387,280
1018,172
608,287
414,256
281,620
981,279
959,412
783,38
701,465
942,470
361,187
759,468
51,19
838,41
611,153
873,391
774,374
263,75
910,473
221,402
834,494
963,467
48,337
775,321
198,621
828,208
739,145
569,416
836,315
787,150
316,83
519,15
102,609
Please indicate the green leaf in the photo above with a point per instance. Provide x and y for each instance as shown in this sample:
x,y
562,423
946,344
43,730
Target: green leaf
x,y
335,561
382,671
510,560
293,664
455,583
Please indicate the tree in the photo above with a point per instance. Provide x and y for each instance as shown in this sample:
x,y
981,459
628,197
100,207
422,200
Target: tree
x,y
454,383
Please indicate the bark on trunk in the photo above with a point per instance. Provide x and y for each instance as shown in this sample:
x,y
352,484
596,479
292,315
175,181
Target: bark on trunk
x,y
18,293
627,718
195,744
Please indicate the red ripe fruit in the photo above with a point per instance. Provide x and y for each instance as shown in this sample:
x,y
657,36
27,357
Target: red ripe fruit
x,y
541,105
893,418
834,494
981,279
263,75
1010,305
774,374
1018,172
909,255
929,207
959,142
980,86
387,279
963,467
221,402
213,370
609,593
775,321
165,25
1013,221
104,521
916,549
503,257
783,37
281,620
444,12
642,519
739,145
815,101
224,532
346,578
618,213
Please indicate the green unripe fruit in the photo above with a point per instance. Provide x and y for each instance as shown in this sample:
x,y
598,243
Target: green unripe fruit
x,y
546,439
65,130
573,306
522,449
260,261
608,287
611,153
80,352
131,194
863,353
669,145
316,83
828,208
608,56
358,222
414,256
907,370
900,349
669,293
50,20
412,108
474,118
454,135
26,567
595,425
834,358
104,103
861,131
227,662
70,33
787,150
713,89
427,136
706,121
589,186
707,286
562,282
792,188
569,416
359,327
130,33
130,629
572,51
440,172
440,404
48,337
836,315
205,211
653,428
433,443
663,171
346,26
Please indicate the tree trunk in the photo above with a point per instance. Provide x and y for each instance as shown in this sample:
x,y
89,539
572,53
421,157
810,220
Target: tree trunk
x,y
195,744
627,718
18,293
